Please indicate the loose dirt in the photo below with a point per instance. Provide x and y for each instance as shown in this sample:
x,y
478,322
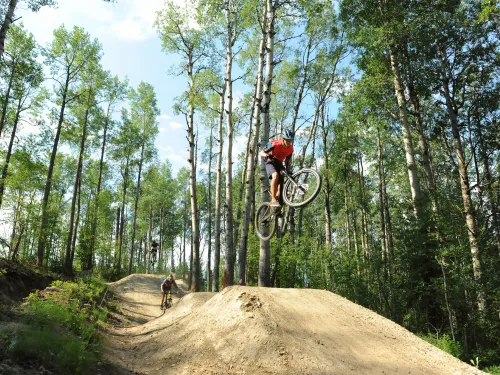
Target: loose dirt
x,y
247,330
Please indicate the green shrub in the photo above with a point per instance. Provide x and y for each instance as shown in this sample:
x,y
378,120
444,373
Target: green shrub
x,y
55,349
61,327
445,343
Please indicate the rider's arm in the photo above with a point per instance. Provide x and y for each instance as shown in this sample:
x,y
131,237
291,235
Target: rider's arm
x,y
266,150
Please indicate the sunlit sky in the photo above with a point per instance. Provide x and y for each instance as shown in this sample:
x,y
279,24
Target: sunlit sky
x,y
131,49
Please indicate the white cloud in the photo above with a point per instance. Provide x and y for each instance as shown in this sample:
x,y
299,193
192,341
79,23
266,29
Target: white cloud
x,y
163,116
175,125
129,20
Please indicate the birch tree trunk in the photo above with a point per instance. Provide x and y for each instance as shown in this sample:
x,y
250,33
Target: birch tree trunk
x,y
68,266
5,168
264,258
209,261
6,24
251,162
136,205
192,177
407,138
470,218
48,183
326,183
218,194
230,251
122,221
99,183
7,97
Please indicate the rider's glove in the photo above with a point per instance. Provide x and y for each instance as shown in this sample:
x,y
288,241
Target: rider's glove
x,y
289,170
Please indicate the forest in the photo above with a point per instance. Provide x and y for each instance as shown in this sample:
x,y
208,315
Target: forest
x,y
395,103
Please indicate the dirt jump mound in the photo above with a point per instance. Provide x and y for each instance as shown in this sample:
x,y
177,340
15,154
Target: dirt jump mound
x,y
247,330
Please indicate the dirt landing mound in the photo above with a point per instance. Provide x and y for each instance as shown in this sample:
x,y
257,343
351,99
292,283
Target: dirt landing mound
x,y
246,330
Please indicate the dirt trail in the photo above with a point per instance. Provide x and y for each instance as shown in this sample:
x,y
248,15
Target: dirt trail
x,y
246,330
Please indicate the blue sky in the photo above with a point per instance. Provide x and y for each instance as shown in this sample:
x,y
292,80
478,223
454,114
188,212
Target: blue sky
x,y
131,48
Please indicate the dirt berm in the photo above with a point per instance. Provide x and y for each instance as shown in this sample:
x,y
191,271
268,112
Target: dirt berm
x,y
247,330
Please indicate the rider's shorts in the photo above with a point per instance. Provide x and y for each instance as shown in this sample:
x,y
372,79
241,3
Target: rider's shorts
x,y
165,289
270,169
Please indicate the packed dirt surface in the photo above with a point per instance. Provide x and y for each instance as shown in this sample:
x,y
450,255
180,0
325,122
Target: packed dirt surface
x,y
248,330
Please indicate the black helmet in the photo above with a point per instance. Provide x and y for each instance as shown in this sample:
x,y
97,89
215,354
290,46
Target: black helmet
x,y
288,134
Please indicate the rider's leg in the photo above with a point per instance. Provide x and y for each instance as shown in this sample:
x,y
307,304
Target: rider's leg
x,y
278,192
162,298
274,187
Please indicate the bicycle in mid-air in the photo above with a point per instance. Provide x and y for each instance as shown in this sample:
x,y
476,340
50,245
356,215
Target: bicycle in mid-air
x,y
299,189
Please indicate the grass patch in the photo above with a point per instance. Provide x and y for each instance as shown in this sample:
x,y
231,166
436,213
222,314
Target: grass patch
x,y
60,327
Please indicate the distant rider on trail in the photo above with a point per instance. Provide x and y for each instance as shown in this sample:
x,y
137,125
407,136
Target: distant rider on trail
x,y
274,153
166,287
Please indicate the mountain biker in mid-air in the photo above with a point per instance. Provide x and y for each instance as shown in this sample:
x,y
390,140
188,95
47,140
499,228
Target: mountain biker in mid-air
x,y
166,287
154,252
274,153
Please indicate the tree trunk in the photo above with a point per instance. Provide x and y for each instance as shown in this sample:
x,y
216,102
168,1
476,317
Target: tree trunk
x,y
489,186
6,24
73,243
48,184
407,138
161,247
117,232
122,220
268,36
68,266
470,217
9,151
209,261
99,183
230,250
347,212
195,221
136,205
218,194
253,145
7,97
326,183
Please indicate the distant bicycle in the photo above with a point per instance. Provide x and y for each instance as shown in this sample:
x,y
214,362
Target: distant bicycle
x,y
299,189
168,302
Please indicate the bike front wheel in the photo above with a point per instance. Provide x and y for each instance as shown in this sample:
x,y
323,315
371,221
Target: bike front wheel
x,y
265,221
303,189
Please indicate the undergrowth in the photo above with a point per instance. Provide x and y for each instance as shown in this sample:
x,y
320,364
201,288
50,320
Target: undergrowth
x,y
60,327
446,343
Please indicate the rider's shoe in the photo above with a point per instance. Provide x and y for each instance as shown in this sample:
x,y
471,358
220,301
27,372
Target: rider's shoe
x,y
275,204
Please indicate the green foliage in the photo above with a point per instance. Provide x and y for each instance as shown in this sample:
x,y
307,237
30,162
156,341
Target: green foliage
x,y
495,370
445,343
61,330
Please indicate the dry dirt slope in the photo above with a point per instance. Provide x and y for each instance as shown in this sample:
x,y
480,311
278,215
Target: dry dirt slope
x,y
246,330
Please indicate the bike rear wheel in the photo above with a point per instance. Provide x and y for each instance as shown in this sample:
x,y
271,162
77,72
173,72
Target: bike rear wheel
x,y
265,221
308,186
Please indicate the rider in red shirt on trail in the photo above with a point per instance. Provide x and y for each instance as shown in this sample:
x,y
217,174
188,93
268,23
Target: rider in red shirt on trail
x,y
166,287
275,152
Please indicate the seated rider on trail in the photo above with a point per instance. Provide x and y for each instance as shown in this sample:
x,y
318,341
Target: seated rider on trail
x,y
166,287
274,153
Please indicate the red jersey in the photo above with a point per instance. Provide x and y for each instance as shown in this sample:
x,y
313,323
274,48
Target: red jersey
x,y
276,148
